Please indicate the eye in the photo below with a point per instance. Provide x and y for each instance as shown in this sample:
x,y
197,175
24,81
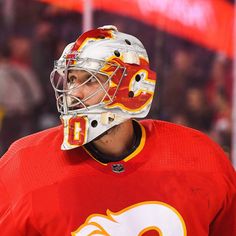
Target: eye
x,y
71,79
92,79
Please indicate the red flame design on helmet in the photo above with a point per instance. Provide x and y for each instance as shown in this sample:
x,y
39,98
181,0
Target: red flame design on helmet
x,y
125,98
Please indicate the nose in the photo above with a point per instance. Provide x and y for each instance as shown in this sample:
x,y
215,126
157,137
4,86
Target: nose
x,y
78,92
75,97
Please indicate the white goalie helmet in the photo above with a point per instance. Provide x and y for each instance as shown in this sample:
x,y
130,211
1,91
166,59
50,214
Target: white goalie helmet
x,y
101,80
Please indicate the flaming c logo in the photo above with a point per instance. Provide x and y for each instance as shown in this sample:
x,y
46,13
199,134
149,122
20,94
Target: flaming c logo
x,y
135,220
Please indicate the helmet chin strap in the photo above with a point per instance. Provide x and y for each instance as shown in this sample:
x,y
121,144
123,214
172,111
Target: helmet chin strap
x,y
109,117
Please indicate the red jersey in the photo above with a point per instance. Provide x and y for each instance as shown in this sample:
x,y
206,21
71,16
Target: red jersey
x,y
176,183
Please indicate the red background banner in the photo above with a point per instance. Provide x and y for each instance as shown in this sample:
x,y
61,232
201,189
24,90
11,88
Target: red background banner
x,y
205,22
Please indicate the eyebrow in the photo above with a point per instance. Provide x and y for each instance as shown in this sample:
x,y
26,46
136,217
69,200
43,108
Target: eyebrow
x,y
75,71
85,74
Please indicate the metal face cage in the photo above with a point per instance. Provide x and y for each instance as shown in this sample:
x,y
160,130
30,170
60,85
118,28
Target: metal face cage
x,y
96,80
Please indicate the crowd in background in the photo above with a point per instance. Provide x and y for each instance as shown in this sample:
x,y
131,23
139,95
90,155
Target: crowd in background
x,y
194,85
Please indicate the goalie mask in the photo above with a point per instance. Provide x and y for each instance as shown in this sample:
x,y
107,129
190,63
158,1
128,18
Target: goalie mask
x,y
101,80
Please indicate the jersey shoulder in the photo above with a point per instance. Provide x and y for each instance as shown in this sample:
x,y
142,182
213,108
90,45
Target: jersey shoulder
x,y
186,147
43,140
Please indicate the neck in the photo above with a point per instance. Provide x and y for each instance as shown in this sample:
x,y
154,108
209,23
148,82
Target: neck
x,y
117,141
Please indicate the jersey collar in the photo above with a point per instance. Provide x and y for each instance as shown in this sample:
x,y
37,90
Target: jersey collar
x,y
138,144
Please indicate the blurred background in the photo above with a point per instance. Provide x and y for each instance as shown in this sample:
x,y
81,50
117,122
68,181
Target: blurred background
x,y
189,42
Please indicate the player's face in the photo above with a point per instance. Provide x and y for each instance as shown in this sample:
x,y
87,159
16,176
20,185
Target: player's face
x,y
86,87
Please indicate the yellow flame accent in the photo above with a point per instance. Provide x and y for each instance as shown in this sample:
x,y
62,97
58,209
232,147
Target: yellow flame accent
x,y
150,228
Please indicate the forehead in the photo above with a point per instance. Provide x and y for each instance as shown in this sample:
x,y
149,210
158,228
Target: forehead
x,y
79,73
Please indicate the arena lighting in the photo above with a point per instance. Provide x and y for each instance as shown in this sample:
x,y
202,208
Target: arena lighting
x,y
87,15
